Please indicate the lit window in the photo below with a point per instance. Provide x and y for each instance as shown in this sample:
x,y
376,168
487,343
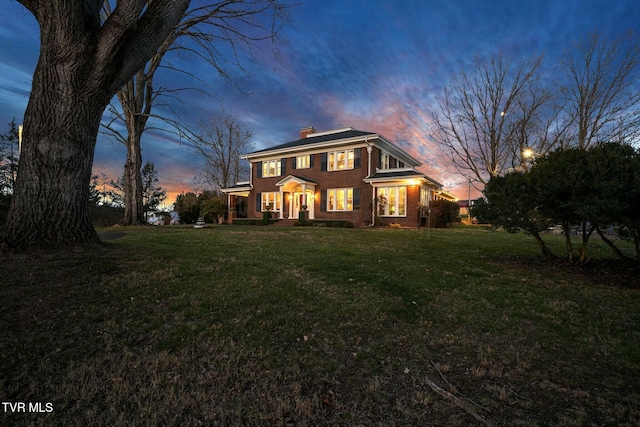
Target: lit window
x,y
424,196
340,199
303,162
271,201
340,160
394,201
271,168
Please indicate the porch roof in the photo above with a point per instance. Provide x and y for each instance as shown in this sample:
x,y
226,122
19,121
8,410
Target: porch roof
x,y
398,174
239,188
297,179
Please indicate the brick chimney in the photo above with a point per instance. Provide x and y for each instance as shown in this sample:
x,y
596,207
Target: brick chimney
x,y
306,131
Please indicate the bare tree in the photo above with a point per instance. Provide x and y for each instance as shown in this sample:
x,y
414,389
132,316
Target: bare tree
x,y
207,29
488,115
600,93
83,62
221,143
9,147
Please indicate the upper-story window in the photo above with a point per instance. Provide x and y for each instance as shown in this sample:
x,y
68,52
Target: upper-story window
x,y
385,160
271,168
303,162
340,160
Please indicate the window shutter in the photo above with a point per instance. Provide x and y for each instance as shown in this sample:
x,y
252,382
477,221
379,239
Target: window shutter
x,y
356,198
311,156
379,159
258,202
323,162
293,163
356,158
323,201
283,167
259,171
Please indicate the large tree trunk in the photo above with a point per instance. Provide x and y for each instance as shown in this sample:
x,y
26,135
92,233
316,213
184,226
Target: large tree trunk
x,y
49,204
133,203
82,64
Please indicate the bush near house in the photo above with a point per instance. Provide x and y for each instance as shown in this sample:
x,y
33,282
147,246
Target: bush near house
x,y
443,213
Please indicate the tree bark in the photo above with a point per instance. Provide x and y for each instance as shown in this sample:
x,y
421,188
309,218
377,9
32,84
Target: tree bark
x,y
81,66
133,203
566,228
609,243
49,205
546,252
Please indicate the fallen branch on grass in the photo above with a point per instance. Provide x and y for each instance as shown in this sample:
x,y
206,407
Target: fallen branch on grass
x,y
459,402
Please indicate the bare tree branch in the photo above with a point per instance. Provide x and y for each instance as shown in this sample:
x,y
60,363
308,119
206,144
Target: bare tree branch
x,y
599,94
486,116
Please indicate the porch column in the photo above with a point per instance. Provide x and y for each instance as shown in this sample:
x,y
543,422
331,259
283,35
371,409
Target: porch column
x,y
232,208
312,207
304,194
373,205
280,216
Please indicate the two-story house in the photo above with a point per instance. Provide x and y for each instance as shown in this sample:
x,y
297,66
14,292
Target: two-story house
x,y
343,174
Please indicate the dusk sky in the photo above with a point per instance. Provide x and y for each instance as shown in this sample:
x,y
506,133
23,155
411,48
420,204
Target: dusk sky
x,y
374,65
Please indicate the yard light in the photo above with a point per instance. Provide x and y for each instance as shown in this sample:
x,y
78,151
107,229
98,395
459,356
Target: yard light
x,y
528,153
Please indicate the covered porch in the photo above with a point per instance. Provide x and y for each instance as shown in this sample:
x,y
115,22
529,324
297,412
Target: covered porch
x,y
297,194
237,200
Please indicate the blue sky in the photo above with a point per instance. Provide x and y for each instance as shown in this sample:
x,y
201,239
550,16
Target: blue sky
x,y
374,65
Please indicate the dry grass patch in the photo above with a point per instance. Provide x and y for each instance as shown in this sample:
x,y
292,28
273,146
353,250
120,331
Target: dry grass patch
x,y
317,327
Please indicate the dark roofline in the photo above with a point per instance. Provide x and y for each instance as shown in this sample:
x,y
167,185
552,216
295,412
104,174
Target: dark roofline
x,y
316,138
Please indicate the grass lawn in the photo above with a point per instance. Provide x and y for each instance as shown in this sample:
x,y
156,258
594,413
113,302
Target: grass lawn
x,y
273,326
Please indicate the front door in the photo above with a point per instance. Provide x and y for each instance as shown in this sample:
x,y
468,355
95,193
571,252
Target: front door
x,y
299,201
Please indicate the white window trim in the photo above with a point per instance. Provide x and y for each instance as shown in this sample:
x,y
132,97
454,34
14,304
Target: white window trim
x,y
396,206
307,163
271,198
385,161
333,166
334,191
277,167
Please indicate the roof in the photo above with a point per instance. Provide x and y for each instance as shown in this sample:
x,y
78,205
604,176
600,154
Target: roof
x,y
297,178
239,187
412,173
318,138
405,173
335,138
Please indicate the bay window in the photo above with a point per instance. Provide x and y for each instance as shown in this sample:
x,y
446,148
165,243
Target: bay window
x,y
395,201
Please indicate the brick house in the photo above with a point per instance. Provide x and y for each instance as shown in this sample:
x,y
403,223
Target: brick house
x,y
336,175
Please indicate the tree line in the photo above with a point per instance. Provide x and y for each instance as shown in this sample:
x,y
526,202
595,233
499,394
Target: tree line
x,y
583,191
498,111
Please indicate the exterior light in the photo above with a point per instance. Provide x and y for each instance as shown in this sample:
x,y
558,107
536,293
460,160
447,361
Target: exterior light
x,y
528,153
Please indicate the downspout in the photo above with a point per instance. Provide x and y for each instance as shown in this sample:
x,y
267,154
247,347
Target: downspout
x,y
373,189
251,194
